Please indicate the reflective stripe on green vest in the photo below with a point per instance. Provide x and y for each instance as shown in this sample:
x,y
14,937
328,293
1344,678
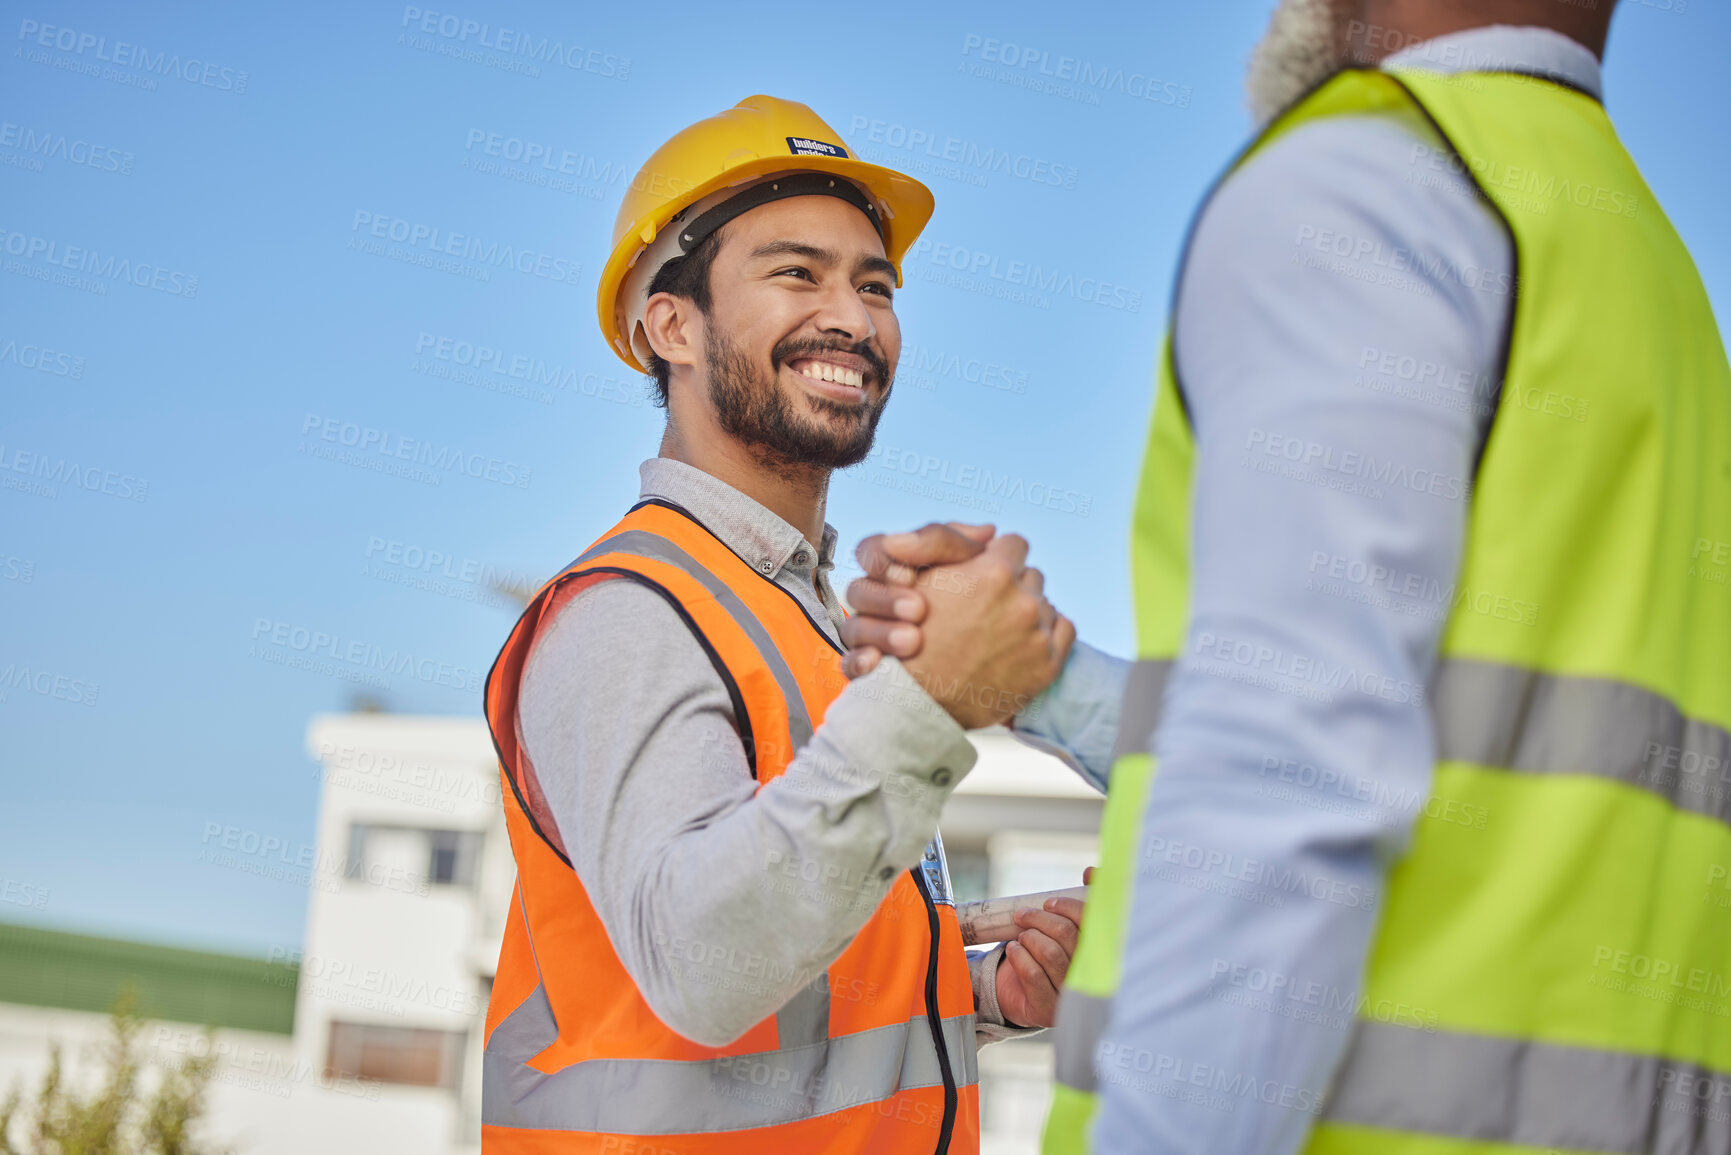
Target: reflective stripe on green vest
x,y
1572,957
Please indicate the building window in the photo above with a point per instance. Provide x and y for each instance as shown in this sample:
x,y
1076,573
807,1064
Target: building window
x,y
410,858
412,1055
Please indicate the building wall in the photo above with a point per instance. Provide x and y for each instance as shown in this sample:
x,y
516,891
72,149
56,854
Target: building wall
x,y
398,944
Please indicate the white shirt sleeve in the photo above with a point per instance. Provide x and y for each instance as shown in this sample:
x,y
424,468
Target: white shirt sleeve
x,y
1339,330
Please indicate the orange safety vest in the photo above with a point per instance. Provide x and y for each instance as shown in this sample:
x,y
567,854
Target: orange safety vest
x,y
874,1055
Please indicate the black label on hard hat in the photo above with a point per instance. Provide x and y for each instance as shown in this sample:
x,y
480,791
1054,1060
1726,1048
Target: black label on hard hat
x,y
806,146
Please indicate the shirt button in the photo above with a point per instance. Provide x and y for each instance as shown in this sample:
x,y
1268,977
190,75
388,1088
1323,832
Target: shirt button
x,y
887,873
802,558
766,566
941,777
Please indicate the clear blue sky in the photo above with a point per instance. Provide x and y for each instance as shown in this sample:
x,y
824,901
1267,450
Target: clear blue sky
x,y
352,113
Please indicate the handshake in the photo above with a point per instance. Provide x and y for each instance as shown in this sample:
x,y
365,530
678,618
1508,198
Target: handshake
x,y
965,615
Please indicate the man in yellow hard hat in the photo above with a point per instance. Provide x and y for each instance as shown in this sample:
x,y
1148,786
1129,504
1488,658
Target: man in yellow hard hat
x,y
732,929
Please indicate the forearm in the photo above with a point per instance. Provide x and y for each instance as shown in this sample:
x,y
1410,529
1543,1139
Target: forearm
x,y
1076,717
1253,906
728,919
722,900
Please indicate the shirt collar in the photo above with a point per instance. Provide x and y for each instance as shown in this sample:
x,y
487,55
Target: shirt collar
x,y
766,542
1507,48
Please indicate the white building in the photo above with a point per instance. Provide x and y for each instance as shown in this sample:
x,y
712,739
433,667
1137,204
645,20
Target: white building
x,y
408,893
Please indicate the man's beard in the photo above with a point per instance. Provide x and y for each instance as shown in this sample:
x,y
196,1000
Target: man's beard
x,y
760,414
1305,43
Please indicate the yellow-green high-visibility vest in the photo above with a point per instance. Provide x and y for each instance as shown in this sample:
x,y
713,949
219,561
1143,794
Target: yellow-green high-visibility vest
x,y
1572,959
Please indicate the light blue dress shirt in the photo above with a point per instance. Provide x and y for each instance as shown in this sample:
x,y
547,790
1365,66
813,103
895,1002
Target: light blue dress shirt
x,y
1295,747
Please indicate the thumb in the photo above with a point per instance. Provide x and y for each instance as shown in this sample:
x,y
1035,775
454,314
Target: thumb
x,y
933,544
981,533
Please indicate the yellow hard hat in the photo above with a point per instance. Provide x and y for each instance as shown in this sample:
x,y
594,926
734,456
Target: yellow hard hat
x,y
746,148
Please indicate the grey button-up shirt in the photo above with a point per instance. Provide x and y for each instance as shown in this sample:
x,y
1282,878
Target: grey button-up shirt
x,y
723,900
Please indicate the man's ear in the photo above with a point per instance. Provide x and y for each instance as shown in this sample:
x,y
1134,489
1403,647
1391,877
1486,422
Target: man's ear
x,y
673,328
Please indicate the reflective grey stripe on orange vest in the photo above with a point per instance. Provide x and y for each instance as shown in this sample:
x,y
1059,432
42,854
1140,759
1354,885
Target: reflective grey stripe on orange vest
x,y
676,1097
637,543
1529,1093
804,1019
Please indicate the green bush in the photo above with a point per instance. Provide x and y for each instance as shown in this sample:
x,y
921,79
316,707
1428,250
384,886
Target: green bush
x,y
117,1117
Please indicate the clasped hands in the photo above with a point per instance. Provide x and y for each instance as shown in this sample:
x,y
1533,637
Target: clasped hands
x,y
969,619
965,614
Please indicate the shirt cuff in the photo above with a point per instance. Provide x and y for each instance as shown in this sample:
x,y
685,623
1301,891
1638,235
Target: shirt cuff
x,y
1076,717
989,1025
885,721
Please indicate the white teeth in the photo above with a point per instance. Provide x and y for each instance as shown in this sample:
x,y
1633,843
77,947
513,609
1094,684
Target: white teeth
x,y
824,371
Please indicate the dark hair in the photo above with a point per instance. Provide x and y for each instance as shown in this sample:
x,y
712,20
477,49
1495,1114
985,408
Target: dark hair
x,y
688,277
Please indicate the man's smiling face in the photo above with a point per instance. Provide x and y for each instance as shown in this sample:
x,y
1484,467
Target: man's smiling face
x,y
801,339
